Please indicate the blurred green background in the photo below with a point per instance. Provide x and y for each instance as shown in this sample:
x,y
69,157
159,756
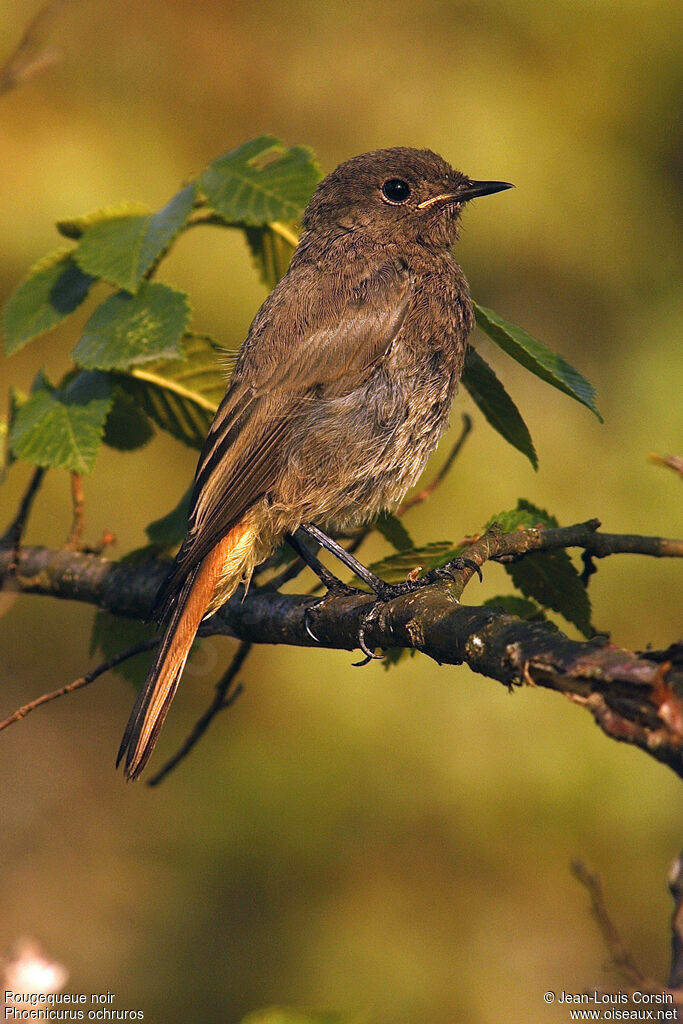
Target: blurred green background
x,y
391,844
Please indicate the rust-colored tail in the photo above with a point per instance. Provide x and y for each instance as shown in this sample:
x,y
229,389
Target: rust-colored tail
x,y
154,700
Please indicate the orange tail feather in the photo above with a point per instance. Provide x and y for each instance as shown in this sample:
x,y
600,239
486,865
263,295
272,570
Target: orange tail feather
x,y
154,700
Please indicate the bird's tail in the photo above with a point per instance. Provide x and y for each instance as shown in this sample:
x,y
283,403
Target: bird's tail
x,y
195,598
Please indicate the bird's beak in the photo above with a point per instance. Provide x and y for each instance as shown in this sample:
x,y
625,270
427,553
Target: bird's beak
x,y
469,190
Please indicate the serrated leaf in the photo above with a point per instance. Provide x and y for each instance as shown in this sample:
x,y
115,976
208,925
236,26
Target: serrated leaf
x,y
271,251
181,395
524,517
548,577
393,530
537,358
127,427
74,227
52,290
63,427
538,514
170,529
261,181
16,399
395,568
122,249
114,633
493,400
551,578
128,330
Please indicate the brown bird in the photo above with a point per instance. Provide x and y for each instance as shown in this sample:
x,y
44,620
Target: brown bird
x,y
340,393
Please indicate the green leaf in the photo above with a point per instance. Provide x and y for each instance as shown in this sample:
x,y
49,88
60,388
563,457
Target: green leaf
x,y
393,530
493,400
523,517
548,577
395,568
114,633
261,181
75,227
63,426
271,252
538,514
180,395
551,578
17,398
123,248
53,289
534,356
127,330
170,529
127,427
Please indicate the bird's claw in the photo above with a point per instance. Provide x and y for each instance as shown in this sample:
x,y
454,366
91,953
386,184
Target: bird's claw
x,y
392,590
388,592
307,619
333,590
368,618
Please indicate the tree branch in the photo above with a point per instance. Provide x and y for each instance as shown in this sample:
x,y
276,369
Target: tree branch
x,y
635,698
622,961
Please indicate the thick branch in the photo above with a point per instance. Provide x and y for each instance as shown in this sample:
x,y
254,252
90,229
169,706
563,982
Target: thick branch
x,y
636,698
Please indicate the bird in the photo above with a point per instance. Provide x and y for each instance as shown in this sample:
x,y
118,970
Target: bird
x,y
340,392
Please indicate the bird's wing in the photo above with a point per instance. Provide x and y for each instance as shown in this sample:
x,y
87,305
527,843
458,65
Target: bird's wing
x,y
242,455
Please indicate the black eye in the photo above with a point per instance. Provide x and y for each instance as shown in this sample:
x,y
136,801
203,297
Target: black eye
x,y
396,191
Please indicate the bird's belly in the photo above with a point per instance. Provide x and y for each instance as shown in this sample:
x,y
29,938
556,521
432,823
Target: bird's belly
x,y
357,454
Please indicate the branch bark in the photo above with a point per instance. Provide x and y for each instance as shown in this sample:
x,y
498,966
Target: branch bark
x,y
634,697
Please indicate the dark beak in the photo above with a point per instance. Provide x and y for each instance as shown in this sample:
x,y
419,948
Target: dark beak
x,y
472,189
469,190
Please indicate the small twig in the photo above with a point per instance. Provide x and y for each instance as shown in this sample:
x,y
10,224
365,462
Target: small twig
x,y
106,540
15,531
619,955
78,684
222,699
674,462
78,505
427,491
31,55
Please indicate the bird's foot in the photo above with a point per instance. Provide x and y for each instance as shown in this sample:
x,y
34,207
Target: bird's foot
x,y
389,591
335,588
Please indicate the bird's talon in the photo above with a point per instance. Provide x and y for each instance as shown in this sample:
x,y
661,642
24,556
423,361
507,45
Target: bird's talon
x,y
468,563
307,622
359,664
367,619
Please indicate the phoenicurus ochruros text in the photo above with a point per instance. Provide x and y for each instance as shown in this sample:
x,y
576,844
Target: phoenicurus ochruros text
x,y
340,393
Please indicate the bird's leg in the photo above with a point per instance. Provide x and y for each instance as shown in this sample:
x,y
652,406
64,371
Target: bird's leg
x,y
384,591
377,585
333,583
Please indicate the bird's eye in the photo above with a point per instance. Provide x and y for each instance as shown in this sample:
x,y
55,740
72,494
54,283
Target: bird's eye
x,y
396,191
